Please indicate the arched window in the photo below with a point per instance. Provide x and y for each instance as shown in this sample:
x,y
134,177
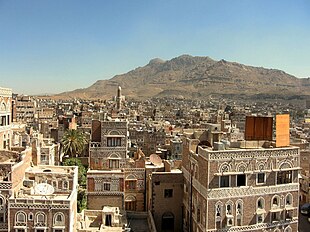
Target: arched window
x,y
218,210
59,219
229,209
275,203
260,203
20,218
40,218
239,212
289,200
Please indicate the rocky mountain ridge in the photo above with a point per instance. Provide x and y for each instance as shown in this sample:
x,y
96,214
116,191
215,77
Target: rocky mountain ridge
x,y
187,77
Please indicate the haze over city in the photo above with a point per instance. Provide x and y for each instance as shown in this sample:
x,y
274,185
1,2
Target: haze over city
x,y
56,46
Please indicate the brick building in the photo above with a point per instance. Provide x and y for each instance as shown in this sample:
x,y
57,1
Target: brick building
x,y
114,179
253,187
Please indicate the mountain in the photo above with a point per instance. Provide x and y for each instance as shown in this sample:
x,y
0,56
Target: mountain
x,y
187,76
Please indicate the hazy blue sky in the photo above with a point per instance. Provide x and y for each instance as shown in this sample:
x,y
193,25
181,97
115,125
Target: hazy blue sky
x,y
53,46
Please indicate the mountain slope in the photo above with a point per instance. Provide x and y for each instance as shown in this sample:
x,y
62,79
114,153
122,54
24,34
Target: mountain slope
x,y
188,76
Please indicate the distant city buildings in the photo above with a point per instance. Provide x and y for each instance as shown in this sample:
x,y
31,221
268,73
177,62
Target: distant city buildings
x,y
160,164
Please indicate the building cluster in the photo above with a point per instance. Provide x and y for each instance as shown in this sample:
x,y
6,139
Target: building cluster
x,y
154,165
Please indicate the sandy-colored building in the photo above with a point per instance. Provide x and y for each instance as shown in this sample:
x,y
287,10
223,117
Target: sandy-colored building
x,y
166,199
5,118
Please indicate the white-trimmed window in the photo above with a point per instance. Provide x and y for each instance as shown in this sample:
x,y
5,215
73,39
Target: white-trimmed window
x,y
239,212
59,219
275,202
218,215
289,200
30,216
229,210
260,203
20,217
260,178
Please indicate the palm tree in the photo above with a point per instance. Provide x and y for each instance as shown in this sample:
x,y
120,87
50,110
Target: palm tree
x,y
73,142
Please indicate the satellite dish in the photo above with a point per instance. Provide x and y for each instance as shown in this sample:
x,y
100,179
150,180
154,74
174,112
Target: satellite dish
x,y
44,189
155,159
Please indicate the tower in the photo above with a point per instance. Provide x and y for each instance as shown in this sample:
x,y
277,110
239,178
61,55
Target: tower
x,y
119,97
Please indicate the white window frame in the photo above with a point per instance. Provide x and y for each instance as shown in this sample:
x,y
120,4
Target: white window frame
x,y
257,183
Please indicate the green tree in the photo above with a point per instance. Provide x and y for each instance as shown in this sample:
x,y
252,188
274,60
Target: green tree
x,y
81,196
73,142
81,169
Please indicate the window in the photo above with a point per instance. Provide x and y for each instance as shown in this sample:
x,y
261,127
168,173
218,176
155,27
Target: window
x,y
260,178
130,205
65,184
229,209
289,215
260,203
2,217
168,193
224,181
218,210
20,217
40,230
30,216
275,202
59,219
284,177
58,230
241,180
198,215
275,216
20,230
114,163
54,184
106,186
239,212
113,142
260,218
288,200
131,184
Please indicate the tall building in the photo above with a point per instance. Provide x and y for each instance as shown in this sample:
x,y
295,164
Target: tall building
x,y
250,187
113,179
5,118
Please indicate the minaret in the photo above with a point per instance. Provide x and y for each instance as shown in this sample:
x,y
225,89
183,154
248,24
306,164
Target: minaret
x,y
119,97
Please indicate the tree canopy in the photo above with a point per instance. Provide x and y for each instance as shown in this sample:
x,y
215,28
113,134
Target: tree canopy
x,y
73,142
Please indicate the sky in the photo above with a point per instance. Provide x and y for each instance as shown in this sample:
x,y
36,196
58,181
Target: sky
x,y
53,46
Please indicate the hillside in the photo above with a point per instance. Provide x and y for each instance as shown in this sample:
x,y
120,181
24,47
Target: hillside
x,y
188,76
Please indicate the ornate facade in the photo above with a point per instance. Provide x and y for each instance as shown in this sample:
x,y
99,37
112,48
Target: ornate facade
x,y
113,179
240,189
5,118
